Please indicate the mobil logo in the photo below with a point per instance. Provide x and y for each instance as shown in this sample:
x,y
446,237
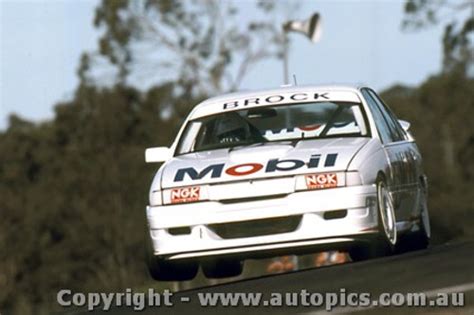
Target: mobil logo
x,y
244,169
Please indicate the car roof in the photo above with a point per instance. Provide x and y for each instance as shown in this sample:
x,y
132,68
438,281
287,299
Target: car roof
x,y
214,104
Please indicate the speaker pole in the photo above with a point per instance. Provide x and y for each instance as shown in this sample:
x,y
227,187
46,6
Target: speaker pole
x,y
286,47
311,28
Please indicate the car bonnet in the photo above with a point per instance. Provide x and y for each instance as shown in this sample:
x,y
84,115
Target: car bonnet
x,y
260,161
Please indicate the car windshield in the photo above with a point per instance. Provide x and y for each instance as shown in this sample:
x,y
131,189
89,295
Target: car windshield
x,y
273,123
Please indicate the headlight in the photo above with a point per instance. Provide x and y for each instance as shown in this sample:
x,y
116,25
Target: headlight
x,y
353,178
155,198
185,194
327,180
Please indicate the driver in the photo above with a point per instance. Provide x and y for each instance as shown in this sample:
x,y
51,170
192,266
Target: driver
x,y
232,129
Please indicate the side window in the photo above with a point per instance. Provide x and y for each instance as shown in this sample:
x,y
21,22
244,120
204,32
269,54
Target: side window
x,y
398,132
380,122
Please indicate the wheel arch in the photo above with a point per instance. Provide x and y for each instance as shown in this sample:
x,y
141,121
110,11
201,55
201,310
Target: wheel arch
x,y
369,161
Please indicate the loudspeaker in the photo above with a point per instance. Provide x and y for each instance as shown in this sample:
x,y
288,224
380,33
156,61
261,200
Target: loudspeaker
x,y
310,27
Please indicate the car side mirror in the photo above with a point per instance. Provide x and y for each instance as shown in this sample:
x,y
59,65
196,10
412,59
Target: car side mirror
x,y
158,154
405,124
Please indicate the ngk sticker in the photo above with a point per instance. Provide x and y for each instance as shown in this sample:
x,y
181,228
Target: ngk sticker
x,y
188,194
318,181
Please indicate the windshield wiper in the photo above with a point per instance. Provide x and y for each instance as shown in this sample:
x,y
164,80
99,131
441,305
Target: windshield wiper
x,y
256,144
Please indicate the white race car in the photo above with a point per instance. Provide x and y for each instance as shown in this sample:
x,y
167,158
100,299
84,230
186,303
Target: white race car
x,y
286,171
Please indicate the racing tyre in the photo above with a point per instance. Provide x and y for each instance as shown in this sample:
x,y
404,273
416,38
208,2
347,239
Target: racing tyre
x,y
162,270
420,239
222,268
387,238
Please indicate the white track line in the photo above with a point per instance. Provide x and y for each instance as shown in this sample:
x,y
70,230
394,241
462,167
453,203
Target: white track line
x,y
429,294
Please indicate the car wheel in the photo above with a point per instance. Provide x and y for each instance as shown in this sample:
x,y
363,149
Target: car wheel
x,y
387,237
387,220
222,268
420,239
425,226
162,270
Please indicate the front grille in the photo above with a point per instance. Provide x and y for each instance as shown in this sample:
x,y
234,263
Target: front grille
x,y
250,199
335,214
256,227
180,230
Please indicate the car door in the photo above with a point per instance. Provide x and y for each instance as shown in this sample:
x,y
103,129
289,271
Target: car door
x,y
410,156
394,146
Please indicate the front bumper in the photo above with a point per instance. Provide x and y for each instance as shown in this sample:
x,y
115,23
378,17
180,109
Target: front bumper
x,y
313,231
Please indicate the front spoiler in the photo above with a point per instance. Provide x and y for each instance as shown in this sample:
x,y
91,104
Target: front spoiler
x,y
314,233
278,249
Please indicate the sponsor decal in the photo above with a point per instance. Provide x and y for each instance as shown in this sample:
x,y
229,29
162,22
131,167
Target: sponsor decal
x,y
273,165
187,194
310,127
318,181
244,169
275,99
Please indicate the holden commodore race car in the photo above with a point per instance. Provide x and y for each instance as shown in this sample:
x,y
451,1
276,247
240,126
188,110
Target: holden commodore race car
x,y
286,171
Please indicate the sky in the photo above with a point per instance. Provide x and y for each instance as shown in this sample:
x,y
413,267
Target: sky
x,y
362,42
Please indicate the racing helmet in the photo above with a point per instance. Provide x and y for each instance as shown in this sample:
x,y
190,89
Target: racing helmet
x,y
231,128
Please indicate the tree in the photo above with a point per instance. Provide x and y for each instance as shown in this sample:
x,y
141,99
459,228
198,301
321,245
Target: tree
x,y
72,196
440,110
458,18
204,46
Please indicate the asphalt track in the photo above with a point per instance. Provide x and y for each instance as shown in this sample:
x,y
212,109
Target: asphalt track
x,y
444,268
